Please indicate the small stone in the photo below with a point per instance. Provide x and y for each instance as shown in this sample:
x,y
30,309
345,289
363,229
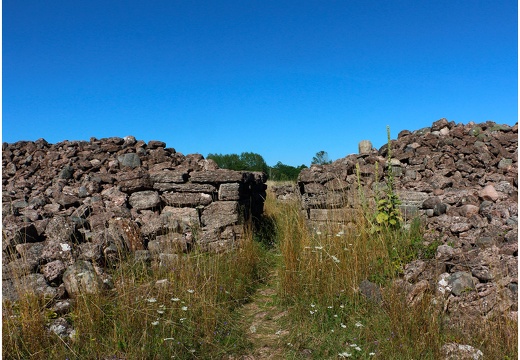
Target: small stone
x,y
460,282
488,193
458,228
468,210
475,131
61,327
144,200
485,242
129,141
62,307
509,249
444,253
430,203
439,124
66,172
444,131
154,144
81,277
505,164
53,271
365,147
130,160
482,273
413,270
440,209
454,351
371,291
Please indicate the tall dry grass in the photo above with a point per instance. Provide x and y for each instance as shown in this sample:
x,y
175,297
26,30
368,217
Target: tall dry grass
x,y
183,311
320,271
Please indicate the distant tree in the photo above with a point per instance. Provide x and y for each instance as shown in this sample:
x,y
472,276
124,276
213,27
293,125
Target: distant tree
x,y
321,158
282,172
246,161
253,162
227,161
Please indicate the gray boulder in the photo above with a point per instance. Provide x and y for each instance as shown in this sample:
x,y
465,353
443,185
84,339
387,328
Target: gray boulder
x,y
81,278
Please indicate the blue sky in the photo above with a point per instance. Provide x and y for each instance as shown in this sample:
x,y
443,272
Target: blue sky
x,y
284,79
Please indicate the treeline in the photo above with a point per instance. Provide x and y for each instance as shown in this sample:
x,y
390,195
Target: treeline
x,y
254,162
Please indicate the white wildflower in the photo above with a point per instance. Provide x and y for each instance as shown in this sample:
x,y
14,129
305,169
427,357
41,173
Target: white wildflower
x,y
151,300
191,291
155,323
357,348
312,305
358,324
335,259
175,299
65,247
371,354
184,308
318,247
344,354
340,233
343,326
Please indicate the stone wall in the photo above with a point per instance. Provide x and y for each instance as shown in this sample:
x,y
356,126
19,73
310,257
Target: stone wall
x,y
79,205
461,180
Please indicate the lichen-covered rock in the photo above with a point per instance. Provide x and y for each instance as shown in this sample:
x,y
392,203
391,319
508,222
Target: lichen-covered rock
x,y
130,160
168,244
220,214
454,351
142,200
53,271
460,282
125,233
81,277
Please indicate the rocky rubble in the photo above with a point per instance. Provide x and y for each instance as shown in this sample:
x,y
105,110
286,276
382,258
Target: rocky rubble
x,y
71,209
462,181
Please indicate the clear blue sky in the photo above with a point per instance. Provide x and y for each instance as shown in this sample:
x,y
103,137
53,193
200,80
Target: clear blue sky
x,y
284,79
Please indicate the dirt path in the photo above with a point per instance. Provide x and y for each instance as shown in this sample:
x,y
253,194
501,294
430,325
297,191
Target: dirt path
x,y
260,320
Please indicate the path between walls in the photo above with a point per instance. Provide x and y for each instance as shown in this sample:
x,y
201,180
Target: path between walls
x,y
260,319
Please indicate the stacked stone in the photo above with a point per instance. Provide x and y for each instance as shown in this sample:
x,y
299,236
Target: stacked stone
x,y
462,180
82,204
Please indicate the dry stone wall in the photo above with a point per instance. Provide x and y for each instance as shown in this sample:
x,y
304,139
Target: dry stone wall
x,y
73,208
462,181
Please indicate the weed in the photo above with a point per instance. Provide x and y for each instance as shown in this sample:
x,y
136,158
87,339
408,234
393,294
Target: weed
x,y
388,213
